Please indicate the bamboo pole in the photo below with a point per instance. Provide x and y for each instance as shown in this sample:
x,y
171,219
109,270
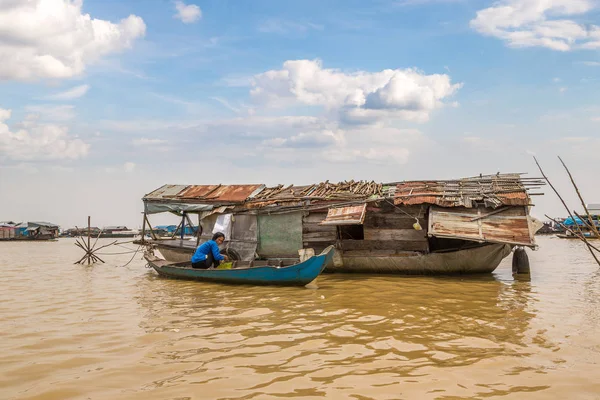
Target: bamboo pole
x,y
88,242
589,246
144,227
150,226
589,217
570,230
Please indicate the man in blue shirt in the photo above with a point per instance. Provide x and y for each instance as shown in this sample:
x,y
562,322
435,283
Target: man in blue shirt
x,y
208,254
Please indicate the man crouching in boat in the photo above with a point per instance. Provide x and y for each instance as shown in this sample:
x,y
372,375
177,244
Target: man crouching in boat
x,y
207,254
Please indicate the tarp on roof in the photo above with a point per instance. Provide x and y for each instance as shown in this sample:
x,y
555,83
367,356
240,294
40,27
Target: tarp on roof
x,y
176,208
41,223
509,225
570,222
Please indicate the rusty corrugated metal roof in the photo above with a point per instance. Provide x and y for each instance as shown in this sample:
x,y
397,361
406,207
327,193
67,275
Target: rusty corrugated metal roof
x,y
506,225
492,191
197,191
351,215
205,193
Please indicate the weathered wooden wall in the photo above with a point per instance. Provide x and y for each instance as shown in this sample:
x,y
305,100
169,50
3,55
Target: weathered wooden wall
x,y
317,236
387,231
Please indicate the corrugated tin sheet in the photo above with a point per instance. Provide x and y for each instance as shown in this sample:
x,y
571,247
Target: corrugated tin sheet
x,y
351,215
508,225
235,193
165,192
197,191
209,193
491,191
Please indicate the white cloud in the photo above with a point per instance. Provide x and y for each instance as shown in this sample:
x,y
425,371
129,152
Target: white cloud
x,y
148,142
187,13
34,141
527,23
226,104
53,39
311,139
51,112
371,155
73,93
563,89
591,63
129,166
407,94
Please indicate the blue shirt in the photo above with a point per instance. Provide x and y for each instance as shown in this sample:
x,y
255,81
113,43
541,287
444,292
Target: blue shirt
x,y
204,249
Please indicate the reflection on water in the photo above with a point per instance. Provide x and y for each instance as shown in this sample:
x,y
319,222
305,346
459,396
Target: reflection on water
x,y
105,332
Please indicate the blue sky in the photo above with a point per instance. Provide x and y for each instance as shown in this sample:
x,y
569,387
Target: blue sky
x,y
103,101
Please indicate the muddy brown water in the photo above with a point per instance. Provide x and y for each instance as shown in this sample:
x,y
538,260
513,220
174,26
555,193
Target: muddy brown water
x,y
111,332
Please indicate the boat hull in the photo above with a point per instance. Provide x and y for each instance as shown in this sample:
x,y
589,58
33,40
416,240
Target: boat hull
x,y
294,275
484,259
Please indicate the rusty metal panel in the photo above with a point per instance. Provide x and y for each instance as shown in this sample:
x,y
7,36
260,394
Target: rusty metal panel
x,y
197,191
165,191
351,215
509,225
230,193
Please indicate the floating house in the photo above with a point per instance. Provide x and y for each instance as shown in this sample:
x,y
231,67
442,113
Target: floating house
x,y
446,226
118,232
7,230
106,232
28,231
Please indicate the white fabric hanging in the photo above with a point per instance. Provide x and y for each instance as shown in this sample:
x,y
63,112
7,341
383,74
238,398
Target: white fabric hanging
x,y
223,224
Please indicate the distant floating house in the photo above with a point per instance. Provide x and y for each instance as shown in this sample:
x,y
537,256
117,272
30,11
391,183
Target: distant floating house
x,y
453,226
42,230
7,230
28,231
594,208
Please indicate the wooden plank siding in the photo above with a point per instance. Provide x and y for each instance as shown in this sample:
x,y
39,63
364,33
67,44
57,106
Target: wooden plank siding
x,y
387,231
391,229
316,236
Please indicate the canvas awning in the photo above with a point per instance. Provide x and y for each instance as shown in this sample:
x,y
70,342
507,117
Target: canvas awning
x,y
351,215
176,208
510,225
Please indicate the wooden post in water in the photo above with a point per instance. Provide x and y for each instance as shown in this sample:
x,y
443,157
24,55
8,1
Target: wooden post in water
x,y
89,249
89,232
144,228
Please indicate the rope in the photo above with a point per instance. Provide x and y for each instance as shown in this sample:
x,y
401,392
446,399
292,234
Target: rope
x,y
129,262
116,254
399,208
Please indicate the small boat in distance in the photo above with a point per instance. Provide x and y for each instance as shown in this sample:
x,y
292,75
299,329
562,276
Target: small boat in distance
x,y
255,272
587,235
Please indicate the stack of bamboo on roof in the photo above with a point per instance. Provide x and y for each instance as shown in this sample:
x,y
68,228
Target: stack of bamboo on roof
x,y
347,190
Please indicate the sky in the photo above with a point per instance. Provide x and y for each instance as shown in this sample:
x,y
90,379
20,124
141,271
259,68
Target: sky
x,y
103,101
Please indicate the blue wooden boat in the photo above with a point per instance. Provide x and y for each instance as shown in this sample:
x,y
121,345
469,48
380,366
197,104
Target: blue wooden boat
x,y
298,274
